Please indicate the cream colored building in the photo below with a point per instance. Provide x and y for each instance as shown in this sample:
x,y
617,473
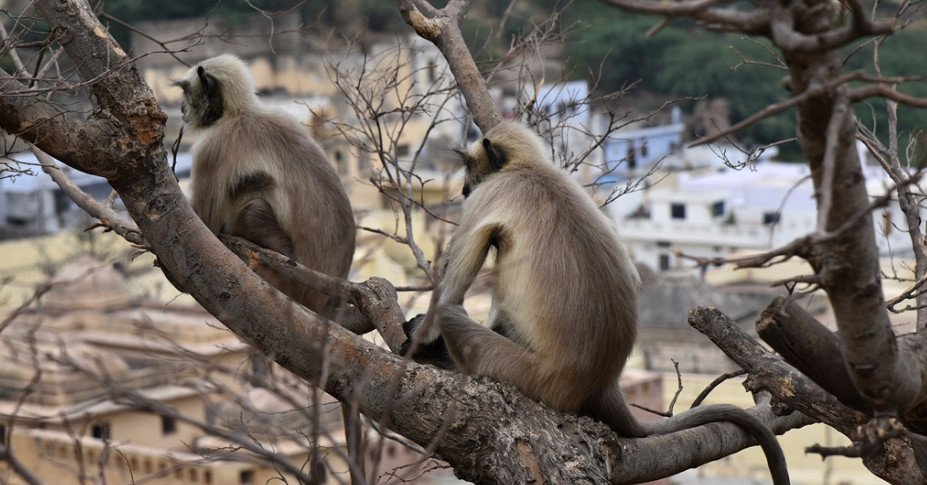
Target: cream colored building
x,y
102,383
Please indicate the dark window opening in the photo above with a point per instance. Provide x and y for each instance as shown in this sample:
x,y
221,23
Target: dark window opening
x,y
664,262
168,425
717,209
770,217
246,477
340,164
101,431
678,211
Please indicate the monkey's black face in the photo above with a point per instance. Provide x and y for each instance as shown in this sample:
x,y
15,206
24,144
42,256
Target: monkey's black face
x,y
202,103
480,160
185,86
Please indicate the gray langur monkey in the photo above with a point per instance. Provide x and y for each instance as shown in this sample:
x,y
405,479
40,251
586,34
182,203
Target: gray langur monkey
x,y
257,174
564,308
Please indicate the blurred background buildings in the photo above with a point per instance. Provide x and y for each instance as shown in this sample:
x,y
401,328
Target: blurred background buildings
x,y
112,373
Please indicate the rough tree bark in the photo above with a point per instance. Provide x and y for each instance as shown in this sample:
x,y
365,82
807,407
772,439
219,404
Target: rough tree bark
x,y
488,432
865,364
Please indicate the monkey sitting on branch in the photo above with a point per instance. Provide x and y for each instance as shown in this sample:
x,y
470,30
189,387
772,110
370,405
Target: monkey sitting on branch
x,y
257,174
564,309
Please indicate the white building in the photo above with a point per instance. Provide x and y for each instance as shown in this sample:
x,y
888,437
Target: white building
x,y
34,204
758,208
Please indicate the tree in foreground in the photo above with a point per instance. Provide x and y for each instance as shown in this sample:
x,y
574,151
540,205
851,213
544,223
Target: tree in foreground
x,y
864,380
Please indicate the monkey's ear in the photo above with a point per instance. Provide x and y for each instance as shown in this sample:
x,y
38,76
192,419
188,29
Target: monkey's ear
x,y
209,84
495,156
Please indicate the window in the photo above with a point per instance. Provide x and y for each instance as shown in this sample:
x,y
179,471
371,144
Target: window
x,y
402,151
101,431
16,221
717,209
168,425
770,218
664,262
644,149
341,165
678,211
246,477
663,244
631,157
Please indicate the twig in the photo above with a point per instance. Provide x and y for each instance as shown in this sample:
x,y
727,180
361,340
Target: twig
x,y
826,194
175,147
669,412
715,383
810,92
108,218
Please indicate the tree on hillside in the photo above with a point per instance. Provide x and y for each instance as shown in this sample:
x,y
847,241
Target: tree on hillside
x,y
864,381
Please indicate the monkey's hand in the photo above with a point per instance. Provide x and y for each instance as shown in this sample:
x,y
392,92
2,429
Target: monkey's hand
x,y
434,352
409,329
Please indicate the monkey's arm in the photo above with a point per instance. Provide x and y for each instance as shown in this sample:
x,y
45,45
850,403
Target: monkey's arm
x,y
258,223
464,257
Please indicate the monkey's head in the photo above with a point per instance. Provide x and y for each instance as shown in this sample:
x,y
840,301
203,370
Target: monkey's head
x,y
507,145
217,87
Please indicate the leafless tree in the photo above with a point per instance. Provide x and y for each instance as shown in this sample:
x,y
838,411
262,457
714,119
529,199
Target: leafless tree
x,y
864,381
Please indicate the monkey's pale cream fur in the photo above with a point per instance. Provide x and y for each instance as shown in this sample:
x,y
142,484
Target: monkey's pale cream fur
x,y
258,174
564,315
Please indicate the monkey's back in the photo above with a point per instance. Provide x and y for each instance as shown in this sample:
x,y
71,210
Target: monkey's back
x,y
559,267
270,155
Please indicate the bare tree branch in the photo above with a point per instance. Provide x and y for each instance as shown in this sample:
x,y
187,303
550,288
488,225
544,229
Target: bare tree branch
x,y
441,27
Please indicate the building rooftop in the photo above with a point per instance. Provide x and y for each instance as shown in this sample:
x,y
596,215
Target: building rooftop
x,y
87,284
89,322
666,302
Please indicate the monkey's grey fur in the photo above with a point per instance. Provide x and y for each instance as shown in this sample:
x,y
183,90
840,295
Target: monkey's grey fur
x,y
565,292
258,174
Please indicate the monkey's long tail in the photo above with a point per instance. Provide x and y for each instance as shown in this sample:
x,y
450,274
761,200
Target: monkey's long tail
x,y
611,409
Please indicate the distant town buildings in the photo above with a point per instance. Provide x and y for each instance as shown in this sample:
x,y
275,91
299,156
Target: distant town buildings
x,y
99,382
717,211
